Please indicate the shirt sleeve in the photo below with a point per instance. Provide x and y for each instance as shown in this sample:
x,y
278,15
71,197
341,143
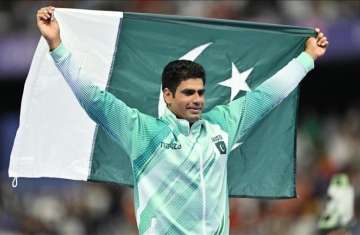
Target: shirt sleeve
x,y
127,126
240,115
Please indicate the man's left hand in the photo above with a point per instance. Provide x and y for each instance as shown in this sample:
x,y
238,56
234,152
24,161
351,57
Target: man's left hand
x,y
316,47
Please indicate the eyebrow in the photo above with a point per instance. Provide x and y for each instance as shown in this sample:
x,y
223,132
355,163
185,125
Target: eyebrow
x,y
192,91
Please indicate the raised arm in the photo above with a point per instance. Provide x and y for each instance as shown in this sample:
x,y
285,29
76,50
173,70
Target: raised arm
x,y
240,115
127,126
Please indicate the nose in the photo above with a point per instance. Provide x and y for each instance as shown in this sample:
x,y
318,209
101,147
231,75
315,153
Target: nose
x,y
198,99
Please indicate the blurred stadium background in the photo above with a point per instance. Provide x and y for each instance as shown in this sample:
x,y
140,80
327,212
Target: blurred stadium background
x,y
328,130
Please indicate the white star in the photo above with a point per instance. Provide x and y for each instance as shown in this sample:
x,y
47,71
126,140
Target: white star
x,y
237,82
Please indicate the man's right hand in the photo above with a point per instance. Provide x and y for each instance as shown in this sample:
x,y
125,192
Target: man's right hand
x,y
48,26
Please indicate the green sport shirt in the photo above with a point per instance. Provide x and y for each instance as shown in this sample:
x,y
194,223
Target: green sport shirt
x,y
180,172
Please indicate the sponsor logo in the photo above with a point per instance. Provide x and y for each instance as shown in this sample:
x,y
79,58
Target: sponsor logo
x,y
173,146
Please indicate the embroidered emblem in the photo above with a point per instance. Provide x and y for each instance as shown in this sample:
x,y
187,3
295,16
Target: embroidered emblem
x,y
221,147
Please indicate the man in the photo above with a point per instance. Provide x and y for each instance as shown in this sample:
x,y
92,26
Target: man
x,y
179,160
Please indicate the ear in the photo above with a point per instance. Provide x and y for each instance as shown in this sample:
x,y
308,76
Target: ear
x,y
168,96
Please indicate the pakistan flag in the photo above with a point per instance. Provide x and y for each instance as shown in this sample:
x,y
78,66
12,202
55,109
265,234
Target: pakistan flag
x,y
125,54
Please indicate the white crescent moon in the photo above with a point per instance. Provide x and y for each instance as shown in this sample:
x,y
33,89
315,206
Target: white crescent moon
x,y
191,55
235,146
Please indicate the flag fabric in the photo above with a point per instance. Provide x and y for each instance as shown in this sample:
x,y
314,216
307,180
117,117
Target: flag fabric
x,y
125,54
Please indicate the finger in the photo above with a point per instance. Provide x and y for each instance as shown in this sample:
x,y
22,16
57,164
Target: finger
x,y
317,30
39,15
47,13
46,16
43,16
321,41
50,10
320,36
324,45
45,10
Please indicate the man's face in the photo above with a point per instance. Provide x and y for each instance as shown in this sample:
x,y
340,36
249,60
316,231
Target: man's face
x,y
189,99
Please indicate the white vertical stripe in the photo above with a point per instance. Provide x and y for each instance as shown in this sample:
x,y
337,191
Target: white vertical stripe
x,y
203,193
55,135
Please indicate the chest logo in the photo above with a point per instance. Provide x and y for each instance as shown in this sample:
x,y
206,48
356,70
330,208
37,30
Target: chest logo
x,y
221,147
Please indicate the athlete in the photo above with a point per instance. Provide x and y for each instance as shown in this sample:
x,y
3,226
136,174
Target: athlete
x,y
179,160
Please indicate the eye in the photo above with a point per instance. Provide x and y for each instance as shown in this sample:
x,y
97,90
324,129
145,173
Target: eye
x,y
188,92
201,92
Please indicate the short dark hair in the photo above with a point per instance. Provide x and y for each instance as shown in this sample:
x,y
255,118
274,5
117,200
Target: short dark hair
x,y
180,70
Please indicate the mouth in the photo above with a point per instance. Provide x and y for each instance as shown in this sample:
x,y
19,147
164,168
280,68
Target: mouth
x,y
195,110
